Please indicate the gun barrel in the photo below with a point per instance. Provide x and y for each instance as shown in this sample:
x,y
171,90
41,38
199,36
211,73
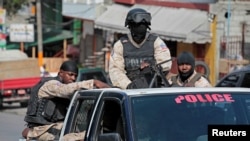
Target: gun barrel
x,y
165,61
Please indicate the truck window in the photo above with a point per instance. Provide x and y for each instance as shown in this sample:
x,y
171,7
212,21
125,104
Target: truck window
x,y
246,81
111,120
93,75
230,81
83,115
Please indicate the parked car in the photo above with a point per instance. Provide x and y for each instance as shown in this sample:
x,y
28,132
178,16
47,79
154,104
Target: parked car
x,y
156,114
237,78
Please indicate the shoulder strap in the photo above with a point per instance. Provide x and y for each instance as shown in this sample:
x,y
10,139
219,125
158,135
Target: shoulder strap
x,y
195,78
152,37
174,80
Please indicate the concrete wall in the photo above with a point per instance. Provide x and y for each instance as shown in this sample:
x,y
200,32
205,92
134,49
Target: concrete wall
x,y
231,28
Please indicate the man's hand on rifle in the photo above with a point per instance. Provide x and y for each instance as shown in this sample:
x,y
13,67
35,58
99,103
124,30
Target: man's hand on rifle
x,y
140,81
144,65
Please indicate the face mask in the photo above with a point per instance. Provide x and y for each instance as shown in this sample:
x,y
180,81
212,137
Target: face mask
x,y
138,32
185,76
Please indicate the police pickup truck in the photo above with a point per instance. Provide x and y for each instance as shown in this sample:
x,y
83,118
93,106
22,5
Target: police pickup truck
x,y
156,114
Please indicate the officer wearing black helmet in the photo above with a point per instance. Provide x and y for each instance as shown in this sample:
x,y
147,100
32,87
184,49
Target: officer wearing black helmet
x,y
49,102
134,53
187,76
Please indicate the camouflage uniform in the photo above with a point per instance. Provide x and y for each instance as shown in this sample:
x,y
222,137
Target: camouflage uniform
x,y
74,136
117,70
202,82
54,88
40,132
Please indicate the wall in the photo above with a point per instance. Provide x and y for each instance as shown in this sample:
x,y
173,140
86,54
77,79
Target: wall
x,y
231,28
19,68
53,64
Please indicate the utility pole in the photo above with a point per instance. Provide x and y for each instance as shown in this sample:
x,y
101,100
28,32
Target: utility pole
x,y
1,3
228,26
39,32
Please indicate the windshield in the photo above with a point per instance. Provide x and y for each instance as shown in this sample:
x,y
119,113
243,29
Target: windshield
x,y
185,117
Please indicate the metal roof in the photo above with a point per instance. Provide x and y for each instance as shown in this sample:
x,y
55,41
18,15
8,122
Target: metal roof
x,y
176,24
113,19
82,10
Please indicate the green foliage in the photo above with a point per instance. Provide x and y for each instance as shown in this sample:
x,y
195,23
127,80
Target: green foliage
x,y
12,6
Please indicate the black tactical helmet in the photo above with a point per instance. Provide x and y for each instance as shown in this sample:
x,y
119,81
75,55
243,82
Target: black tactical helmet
x,y
138,15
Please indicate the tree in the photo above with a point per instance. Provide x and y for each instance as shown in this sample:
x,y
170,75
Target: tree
x,y
12,6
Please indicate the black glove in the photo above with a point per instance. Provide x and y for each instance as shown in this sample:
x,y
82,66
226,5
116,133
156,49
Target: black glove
x,y
131,86
146,70
138,83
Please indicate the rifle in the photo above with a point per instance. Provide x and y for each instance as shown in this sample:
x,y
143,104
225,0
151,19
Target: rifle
x,y
158,72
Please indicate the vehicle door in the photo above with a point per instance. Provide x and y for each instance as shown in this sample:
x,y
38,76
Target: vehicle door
x,y
231,80
246,80
109,119
80,111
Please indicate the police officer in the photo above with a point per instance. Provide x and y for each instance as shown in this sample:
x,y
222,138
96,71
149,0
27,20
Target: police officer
x,y
49,101
133,54
187,76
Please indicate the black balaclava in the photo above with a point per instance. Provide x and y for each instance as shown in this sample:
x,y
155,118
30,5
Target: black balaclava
x,y
138,31
70,66
186,58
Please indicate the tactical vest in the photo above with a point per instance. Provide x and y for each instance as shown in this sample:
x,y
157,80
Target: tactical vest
x,y
133,56
45,111
189,84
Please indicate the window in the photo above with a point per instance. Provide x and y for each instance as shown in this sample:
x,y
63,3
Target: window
x,y
83,116
247,105
111,120
162,118
230,81
246,81
96,73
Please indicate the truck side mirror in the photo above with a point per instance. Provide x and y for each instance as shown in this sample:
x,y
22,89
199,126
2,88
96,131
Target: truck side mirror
x,y
109,137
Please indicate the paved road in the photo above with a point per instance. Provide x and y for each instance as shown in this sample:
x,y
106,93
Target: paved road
x,y
14,109
11,122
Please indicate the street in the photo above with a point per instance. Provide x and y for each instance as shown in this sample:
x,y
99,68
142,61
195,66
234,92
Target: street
x,y
12,122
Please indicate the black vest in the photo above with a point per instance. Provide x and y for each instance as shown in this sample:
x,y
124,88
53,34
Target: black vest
x,y
133,56
45,111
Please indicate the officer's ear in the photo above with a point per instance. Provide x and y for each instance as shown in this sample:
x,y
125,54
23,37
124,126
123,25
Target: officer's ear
x,y
60,73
